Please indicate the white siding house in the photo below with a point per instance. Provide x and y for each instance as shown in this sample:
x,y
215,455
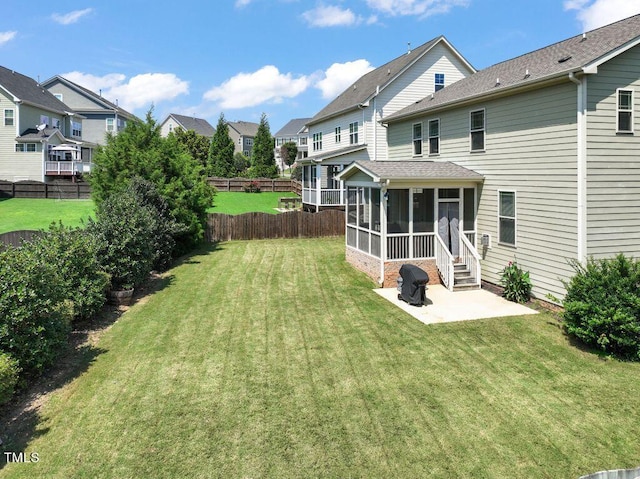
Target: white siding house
x,y
554,136
348,129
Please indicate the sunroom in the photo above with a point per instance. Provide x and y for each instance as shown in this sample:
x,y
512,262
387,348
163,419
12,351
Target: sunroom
x,y
418,212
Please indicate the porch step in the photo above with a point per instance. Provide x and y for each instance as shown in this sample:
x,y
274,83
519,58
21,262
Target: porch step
x,y
462,278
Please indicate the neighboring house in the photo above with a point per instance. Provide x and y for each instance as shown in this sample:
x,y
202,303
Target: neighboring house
x,y
100,115
242,133
348,129
199,125
41,138
534,160
296,132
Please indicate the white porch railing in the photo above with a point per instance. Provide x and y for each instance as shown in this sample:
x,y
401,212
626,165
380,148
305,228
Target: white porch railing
x,y
470,258
331,197
63,167
444,262
309,195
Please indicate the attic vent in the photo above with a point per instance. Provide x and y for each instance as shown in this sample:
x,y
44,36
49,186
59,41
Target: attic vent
x,y
564,59
526,73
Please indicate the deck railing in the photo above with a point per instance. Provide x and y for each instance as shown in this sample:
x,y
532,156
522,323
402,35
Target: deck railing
x,y
332,197
444,262
470,258
63,167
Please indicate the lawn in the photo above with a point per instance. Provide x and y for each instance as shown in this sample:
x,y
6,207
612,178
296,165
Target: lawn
x,y
35,214
236,203
276,359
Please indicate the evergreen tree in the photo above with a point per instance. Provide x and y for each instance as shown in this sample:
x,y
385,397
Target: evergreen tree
x,y
262,156
197,145
221,151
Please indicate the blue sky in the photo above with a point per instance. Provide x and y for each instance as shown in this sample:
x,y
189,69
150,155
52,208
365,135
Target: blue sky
x,y
286,58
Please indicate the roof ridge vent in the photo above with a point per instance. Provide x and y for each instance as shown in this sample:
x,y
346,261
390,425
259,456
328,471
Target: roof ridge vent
x,y
584,36
408,47
526,73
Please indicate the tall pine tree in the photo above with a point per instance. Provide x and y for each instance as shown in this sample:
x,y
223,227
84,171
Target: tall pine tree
x,y
262,156
221,151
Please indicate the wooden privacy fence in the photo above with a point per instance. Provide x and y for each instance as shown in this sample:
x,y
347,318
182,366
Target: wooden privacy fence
x,y
15,238
293,224
37,189
265,184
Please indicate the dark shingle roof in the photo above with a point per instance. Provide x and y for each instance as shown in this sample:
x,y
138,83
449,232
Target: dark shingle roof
x,y
28,90
244,128
94,96
403,170
292,128
559,59
199,125
365,87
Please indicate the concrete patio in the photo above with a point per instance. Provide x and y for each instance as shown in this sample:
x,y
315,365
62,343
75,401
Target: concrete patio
x,y
443,306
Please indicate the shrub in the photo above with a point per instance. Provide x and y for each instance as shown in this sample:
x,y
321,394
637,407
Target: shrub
x,y
74,254
602,305
516,283
252,187
35,318
8,377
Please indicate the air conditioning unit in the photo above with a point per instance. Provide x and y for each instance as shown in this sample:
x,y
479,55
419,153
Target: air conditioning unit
x,y
485,240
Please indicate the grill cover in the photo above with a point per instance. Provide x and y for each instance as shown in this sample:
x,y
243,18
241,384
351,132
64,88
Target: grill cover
x,y
414,280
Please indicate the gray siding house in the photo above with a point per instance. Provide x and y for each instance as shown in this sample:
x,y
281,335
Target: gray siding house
x,y
199,125
100,115
543,160
242,133
348,129
41,138
295,131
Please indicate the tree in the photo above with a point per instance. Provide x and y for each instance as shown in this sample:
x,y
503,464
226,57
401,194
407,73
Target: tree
x,y
197,145
262,157
240,164
220,162
139,150
288,153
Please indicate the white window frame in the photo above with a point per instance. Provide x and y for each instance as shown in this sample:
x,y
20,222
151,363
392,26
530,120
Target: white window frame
x,y
483,130
58,96
620,110
112,128
13,117
438,85
317,141
338,132
430,136
417,139
76,129
514,218
353,133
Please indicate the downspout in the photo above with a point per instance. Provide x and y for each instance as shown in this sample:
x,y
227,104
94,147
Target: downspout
x,y
383,228
581,165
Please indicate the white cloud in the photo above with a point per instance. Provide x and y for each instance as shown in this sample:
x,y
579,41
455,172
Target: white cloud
x,y
262,86
71,17
139,91
242,3
340,75
420,8
597,13
6,37
331,16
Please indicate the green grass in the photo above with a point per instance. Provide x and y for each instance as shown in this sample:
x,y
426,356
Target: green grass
x,y
276,359
35,214
236,203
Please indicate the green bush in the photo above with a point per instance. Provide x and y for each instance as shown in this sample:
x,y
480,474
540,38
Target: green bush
x,y
516,283
74,254
602,305
124,229
35,317
8,377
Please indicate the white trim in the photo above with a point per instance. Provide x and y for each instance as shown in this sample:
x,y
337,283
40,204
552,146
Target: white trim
x,y
618,111
414,139
429,136
484,130
515,218
581,147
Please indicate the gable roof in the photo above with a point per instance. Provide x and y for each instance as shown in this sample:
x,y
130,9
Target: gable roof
x,y
380,171
106,104
367,86
199,125
581,54
27,90
244,128
293,128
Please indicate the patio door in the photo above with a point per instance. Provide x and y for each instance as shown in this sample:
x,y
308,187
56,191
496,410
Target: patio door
x,y
449,225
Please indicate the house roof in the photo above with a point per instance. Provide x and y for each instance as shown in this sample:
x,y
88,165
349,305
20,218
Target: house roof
x,y
367,86
93,96
319,158
293,128
579,55
199,125
29,91
32,135
244,128
380,171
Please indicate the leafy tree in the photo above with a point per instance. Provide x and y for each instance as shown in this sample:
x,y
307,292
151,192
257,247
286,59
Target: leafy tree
x,y
197,145
262,156
240,164
139,150
220,162
288,153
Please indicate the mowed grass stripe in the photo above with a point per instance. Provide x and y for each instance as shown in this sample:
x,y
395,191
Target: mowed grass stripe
x,y
275,359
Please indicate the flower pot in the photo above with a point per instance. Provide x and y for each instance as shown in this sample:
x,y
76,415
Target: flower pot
x,y
121,297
